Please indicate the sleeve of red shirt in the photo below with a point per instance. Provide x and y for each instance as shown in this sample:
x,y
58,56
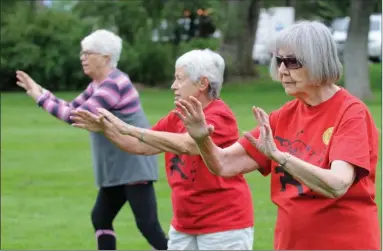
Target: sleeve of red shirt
x,y
225,128
260,158
351,143
162,124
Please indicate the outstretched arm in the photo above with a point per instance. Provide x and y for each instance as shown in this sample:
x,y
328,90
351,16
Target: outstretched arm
x,y
226,162
91,122
39,93
168,142
128,143
79,100
107,95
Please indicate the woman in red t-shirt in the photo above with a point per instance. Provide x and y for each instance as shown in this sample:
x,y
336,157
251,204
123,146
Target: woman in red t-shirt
x,y
321,148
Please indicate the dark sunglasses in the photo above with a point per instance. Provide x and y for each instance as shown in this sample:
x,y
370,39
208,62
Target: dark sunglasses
x,y
289,62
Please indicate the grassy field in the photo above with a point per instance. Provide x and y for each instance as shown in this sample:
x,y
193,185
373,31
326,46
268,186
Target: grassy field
x,y
47,185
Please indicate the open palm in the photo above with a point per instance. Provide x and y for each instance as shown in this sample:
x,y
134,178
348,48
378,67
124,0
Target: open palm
x,y
27,83
87,120
120,125
265,142
191,114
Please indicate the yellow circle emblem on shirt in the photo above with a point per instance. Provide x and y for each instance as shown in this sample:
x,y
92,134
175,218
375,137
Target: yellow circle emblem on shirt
x,y
327,135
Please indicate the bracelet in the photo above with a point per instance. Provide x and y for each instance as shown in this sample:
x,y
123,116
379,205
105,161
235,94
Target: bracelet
x,y
287,157
142,132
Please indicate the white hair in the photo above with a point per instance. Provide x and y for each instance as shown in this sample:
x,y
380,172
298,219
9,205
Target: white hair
x,y
104,42
204,63
312,44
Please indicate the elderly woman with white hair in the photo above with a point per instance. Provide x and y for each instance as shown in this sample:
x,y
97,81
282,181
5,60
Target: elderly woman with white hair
x,y
209,212
321,148
120,176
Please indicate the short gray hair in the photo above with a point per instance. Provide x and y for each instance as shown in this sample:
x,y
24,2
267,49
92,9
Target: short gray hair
x,y
313,45
104,42
204,63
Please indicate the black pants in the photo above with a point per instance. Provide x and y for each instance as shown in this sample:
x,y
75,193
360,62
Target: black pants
x,y
142,200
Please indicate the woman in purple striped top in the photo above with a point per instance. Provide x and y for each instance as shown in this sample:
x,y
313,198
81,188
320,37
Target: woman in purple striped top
x,y
119,175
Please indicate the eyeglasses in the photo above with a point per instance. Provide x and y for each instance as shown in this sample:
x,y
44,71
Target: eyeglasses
x,y
87,53
289,62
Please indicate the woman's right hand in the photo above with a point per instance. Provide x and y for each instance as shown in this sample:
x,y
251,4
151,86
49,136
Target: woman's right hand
x,y
191,114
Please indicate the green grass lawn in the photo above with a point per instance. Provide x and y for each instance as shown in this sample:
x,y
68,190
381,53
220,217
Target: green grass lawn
x,y
47,185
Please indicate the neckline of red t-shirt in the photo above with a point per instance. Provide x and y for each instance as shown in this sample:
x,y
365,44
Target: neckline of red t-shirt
x,y
325,103
210,104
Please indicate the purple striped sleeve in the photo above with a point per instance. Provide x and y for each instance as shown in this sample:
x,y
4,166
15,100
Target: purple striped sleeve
x,y
129,101
80,99
106,96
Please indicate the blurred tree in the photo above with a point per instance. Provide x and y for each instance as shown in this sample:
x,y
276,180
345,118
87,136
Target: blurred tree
x,y
45,44
127,18
239,36
356,49
45,40
325,10
7,6
154,9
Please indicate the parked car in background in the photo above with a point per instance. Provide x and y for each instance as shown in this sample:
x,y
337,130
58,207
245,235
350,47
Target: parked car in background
x,y
339,29
270,22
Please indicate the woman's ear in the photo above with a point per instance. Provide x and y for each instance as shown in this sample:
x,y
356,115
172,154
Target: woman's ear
x,y
107,60
204,83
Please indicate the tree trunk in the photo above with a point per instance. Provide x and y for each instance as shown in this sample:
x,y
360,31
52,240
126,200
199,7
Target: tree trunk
x,y
239,37
356,51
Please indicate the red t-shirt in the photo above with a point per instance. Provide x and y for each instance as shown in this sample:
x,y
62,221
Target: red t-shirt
x,y
339,129
203,202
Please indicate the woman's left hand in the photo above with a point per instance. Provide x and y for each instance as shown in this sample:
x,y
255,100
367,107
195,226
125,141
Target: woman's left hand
x,y
265,142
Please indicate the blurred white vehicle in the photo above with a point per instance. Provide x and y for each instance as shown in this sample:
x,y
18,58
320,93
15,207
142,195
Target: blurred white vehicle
x,y
339,29
270,22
